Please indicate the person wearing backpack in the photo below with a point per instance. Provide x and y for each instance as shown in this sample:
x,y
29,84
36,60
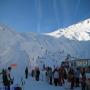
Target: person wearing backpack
x,y
7,81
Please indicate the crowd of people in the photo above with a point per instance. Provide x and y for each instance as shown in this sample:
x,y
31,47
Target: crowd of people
x,y
58,76
54,76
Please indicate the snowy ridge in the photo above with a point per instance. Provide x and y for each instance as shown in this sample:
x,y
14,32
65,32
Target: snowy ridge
x,y
80,31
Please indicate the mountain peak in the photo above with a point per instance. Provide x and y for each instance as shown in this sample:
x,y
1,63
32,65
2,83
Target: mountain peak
x,y
79,31
87,21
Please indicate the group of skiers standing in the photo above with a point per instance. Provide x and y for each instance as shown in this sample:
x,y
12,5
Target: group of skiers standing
x,y
58,76
77,77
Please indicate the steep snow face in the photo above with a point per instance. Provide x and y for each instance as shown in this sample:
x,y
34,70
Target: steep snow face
x,y
80,31
10,49
50,48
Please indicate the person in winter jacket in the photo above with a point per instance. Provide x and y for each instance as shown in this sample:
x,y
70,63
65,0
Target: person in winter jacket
x,y
26,72
33,73
47,74
37,74
60,77
50,75
83,79
56,77
7,81
77,76
72,77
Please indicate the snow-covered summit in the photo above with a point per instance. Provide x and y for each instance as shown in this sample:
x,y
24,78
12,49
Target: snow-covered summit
x,y
79,31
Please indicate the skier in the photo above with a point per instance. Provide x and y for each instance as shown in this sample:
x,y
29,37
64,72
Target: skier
x,y
26,72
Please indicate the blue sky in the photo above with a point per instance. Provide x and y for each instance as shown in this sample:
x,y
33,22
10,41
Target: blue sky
x,y
42,15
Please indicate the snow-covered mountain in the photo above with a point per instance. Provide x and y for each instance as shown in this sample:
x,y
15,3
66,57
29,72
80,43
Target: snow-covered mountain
x,y
80,31
50,48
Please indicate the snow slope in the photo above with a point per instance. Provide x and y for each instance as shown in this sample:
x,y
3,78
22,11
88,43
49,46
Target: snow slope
x,y
50,48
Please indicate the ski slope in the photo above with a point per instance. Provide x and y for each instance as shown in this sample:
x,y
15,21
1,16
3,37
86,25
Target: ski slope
x,y
31,49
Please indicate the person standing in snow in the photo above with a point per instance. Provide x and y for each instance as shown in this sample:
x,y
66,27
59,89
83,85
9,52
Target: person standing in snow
x,y
10,80
60,81
33,73
46,74
56,77
63,75
72,77
37,71
7,81
26,72
77,76
50,75
83,79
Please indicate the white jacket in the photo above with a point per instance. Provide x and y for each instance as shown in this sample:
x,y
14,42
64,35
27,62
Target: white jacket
x,y
56,74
